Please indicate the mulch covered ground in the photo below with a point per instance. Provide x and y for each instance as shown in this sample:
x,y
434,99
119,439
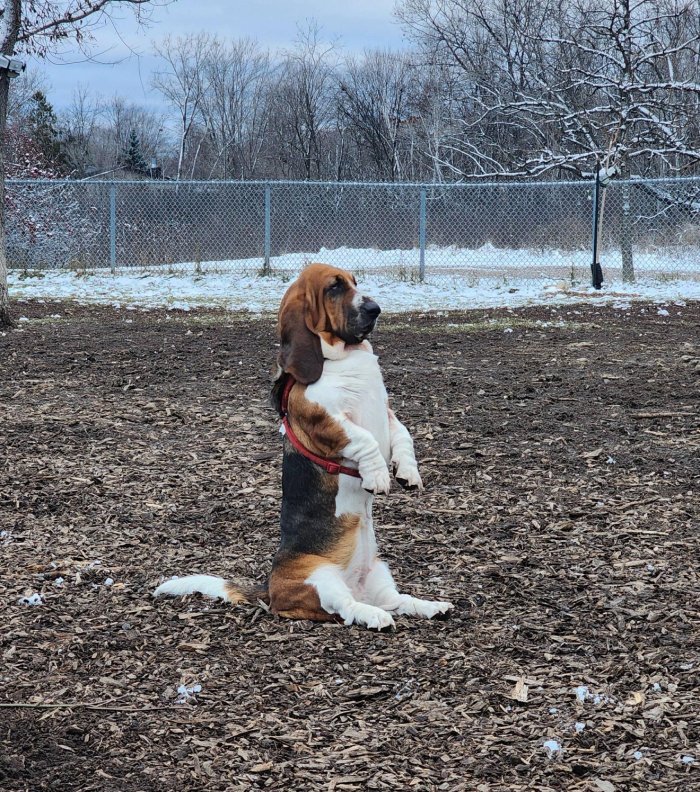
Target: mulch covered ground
x,y
559,450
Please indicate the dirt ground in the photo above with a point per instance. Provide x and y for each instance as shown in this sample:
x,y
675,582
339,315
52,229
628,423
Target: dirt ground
x,y
559,448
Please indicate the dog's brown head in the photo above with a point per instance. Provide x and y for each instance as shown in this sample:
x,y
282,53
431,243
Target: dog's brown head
x,y
323,303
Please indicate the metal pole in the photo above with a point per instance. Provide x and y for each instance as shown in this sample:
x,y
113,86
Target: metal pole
x,y
421,234
596,271
113,227
266,265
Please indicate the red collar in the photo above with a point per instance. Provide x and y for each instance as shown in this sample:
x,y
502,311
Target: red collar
x,y
328,465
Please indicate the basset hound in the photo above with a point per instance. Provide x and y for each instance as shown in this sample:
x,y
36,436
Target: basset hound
x,y
341,441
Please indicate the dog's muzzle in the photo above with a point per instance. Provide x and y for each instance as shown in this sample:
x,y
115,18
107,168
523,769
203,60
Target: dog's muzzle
x,y
367,317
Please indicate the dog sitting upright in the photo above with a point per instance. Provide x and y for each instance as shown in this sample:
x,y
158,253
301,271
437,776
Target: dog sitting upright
x,y
340,439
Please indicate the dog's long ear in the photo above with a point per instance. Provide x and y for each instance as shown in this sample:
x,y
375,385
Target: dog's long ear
x,y
315,314
300,349
278,384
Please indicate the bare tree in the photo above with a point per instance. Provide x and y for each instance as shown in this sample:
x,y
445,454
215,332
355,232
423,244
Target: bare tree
x,y
237,77
79,123
24,88
435,123
554,86
374,98
41,27
180,81
304,105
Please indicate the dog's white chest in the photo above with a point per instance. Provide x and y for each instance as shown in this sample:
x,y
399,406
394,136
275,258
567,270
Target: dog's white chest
x,y
353,385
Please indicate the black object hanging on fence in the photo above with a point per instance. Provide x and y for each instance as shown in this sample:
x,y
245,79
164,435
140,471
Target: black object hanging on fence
x,y
596,269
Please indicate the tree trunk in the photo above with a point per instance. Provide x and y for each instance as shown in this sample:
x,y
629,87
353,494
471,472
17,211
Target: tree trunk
x,y
10,21
5,316
181,157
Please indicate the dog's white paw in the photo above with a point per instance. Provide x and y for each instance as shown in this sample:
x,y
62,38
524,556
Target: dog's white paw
x,y
407,474
427,609
377,480
368,616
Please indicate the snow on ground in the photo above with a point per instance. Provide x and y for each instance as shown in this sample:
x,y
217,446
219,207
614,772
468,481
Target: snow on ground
x,y
553,747
489,257
489,278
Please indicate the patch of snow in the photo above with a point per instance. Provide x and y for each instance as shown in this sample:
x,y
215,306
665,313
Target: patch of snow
x,y
456,279
662,312
187,692
58,582
33,599
579,727
582,693
108,582
610,461
553,710
552,747
687,759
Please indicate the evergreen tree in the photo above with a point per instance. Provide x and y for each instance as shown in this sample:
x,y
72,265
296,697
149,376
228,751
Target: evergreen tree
x,y
42,128
133,158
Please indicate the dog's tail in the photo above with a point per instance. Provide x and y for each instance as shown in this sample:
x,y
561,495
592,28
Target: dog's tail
x,y
215,587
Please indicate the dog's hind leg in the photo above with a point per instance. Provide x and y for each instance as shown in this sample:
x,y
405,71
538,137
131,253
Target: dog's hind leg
x,y
336,597
381,591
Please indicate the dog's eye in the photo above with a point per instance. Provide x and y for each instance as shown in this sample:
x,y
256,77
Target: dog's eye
x,y
335,288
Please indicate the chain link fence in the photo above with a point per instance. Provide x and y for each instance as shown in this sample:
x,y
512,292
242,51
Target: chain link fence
x,y
476,232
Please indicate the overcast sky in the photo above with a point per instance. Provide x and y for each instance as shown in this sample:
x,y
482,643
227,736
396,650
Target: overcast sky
x,y
355,24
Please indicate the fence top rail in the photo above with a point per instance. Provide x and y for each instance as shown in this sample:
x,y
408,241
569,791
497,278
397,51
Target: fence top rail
x,y
321,184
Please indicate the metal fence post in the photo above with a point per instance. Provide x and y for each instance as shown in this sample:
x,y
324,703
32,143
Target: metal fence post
x,y
113,227
266,264
421,234
596,271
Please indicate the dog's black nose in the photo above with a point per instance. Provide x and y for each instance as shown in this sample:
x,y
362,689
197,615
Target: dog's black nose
x,y
371,309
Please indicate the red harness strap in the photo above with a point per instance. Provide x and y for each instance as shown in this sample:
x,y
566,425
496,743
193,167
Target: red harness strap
x,y
328,465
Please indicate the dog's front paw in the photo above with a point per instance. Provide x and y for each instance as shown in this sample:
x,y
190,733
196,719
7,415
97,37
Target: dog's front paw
x,y
408,476
368,616
427,609
376,481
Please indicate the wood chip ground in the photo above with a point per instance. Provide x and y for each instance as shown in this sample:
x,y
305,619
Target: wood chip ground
x,y
560,452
